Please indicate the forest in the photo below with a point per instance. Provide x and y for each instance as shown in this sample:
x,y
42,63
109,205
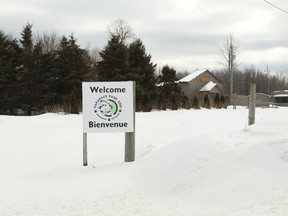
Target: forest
x,y
44,73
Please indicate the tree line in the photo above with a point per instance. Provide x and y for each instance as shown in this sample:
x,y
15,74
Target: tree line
x,y
44,72
236,81
265,83
40,73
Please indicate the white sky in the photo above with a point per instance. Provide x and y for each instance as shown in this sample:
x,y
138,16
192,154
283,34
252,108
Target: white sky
x,y
184,34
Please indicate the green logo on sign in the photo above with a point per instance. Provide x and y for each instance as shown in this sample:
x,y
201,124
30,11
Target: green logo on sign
x,y
107,108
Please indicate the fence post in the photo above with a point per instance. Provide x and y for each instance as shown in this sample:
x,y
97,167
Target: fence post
x,y
252,104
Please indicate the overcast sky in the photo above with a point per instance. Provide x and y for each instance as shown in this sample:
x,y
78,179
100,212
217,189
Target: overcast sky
x,y
184,34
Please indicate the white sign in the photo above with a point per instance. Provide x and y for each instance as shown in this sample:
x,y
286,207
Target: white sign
x,y
108,107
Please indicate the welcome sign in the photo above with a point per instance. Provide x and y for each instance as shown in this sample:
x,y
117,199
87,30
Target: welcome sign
x,y
108,106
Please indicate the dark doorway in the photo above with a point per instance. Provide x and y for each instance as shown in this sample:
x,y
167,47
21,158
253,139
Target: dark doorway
x,y
206,102
195,103
217,101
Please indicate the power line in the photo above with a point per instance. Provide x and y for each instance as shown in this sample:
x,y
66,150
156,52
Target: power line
x,y
276,6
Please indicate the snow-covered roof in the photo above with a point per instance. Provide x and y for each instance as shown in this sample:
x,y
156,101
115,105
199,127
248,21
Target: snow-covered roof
x,y
281,91
281,95
192,76
208,87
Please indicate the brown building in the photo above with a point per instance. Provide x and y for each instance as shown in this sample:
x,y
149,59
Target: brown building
x,y
203,89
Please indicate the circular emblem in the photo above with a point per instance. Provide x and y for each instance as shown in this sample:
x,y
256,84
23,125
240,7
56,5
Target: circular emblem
x,y
107,108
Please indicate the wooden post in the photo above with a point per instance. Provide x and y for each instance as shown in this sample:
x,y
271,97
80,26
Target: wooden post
x,y
252,104
129,147
85,149
130,136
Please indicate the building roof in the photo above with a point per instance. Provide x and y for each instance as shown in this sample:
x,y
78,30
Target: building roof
x,y
192,76
208,87
281,91
281,95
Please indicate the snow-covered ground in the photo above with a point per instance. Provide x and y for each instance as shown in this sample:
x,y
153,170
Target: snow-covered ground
x,y
188,162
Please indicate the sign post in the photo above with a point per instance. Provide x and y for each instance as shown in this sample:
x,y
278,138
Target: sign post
x,y
130,136
109,107
85,159
129,146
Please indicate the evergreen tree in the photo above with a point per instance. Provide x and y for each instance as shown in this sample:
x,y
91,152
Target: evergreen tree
x,y
72,68
42,75
30,76
49,67
114,65
49,77
9,63
142,71
170,94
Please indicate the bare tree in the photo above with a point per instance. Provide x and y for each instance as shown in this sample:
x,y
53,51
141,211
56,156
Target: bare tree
x,y
121,29
229,51
49,41
94,54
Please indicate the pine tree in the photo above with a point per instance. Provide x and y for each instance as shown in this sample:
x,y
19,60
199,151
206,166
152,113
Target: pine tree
x,y
114,65
142,70
50,77
9,62
72,68
30,72
170,94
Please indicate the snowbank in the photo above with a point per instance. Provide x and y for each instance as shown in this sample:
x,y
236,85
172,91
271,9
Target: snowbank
x,y
188,162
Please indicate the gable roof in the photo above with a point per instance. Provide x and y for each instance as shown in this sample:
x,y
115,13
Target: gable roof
x,y
195,74
209,86
192,76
